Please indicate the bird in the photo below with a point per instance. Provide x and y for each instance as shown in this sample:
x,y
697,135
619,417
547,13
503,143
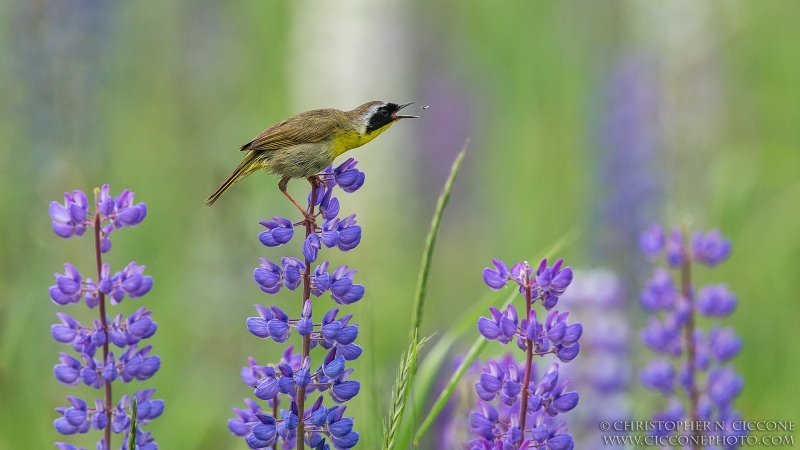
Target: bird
x,y
304,145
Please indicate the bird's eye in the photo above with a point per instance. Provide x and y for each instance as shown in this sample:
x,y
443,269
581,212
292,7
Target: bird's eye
x,y
384,111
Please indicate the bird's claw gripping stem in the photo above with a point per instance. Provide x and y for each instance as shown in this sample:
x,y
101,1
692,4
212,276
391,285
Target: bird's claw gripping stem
x,y
308,217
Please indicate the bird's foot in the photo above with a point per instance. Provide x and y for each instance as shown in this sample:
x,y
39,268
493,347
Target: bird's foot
x,y
309,219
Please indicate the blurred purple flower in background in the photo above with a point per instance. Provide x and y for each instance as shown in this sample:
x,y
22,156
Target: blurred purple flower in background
x,y
597,298
693,366
293,379
630,142
73,218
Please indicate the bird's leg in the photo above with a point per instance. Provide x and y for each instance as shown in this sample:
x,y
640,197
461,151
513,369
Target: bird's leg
x,y
282,186
317,180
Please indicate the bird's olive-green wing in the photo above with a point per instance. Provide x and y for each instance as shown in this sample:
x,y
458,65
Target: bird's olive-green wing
x,y
307,127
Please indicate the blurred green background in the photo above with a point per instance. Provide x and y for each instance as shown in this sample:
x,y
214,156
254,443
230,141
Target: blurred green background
x,y
599,117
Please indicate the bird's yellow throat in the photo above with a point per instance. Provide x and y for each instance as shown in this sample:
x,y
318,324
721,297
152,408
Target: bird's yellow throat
x,y
353,139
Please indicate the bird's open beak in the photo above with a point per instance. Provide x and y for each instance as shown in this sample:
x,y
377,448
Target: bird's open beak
x,y
399,107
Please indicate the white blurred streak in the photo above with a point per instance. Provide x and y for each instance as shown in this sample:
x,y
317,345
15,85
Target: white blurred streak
x,y
688,37
345,53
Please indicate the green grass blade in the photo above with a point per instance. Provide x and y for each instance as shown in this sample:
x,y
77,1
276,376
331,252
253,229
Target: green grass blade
x,y
402,388
441,401
134,424
431,364
428,371
430,241
406,377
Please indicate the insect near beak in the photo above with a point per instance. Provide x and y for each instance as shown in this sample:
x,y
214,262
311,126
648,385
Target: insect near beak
x,y
399,107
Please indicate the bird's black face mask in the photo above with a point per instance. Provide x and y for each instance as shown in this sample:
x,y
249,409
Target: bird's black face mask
x,y
382,117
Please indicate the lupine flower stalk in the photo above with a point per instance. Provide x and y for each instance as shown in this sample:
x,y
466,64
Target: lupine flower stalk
x,y
73,218
532,404
293,379
706,386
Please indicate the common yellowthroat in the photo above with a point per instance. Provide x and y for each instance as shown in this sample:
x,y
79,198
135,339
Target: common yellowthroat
x,y
304,145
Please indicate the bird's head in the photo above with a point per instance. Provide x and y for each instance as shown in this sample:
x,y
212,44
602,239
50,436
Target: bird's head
x,y
377,116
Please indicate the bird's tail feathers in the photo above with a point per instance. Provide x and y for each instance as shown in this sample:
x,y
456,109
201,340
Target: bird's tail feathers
x,y
249,165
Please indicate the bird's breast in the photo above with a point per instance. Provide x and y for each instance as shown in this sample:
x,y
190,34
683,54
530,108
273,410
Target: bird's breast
x,y
351,139
300,161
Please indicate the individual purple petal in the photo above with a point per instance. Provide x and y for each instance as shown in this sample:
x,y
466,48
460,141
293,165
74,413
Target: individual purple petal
x,y
331,330
560,442
238,427
651,241
566,402
488,329
278,330
725,344
567,354
490,383
144,287
331,209
292,272
148,368
659,375
64,427
268,276
344,391
674,248
75,416
715,301
347,334
321,281
349,237
77,213
265,432
258,326
59,213
724,385
347,177
496,278
353,295
130,217
334,367
572,334
311,247
256,443
342,427
110,369
350,352
63,230
267,388
660,292
711,248
120,421
561,281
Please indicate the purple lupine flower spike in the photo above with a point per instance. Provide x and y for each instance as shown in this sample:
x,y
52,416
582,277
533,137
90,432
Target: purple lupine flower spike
x,y
520,397
95,369
686,350
295,376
